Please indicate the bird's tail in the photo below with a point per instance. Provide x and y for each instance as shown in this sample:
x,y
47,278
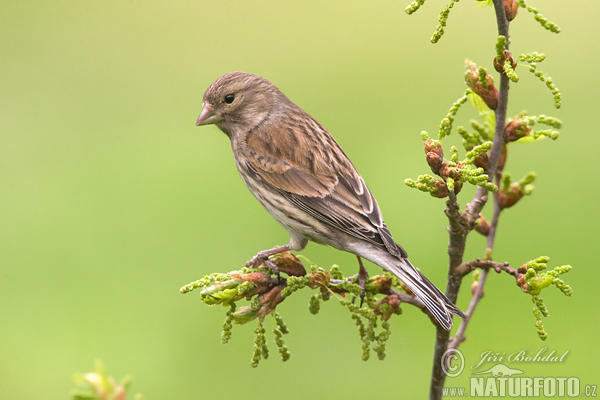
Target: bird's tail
x,y
440,306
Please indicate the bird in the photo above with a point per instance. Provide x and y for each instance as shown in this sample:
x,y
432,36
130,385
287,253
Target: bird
x,y
302,177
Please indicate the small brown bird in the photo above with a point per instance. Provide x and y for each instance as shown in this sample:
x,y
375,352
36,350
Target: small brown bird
x,y
303,178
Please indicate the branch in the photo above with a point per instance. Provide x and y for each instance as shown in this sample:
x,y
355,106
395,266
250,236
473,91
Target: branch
x,y
477,295
462,223
468,267
473,209
456,247
404,297
388,290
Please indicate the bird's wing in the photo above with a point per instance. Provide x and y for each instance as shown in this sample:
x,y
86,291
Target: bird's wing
x,y
302,161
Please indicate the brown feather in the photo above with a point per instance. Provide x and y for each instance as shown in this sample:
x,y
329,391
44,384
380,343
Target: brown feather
x,y
318,177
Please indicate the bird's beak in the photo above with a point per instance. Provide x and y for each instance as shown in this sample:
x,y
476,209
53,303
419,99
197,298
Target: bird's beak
x,y
207,116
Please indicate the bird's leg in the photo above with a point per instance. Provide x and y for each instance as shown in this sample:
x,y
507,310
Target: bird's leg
x,y
363,275
263,256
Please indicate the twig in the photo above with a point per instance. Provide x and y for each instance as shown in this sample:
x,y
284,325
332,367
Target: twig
x,y
468,267
404,297
477,295
466,220
456,248
476,205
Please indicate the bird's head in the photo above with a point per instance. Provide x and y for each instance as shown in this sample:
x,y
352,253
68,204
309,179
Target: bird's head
x,y
237,102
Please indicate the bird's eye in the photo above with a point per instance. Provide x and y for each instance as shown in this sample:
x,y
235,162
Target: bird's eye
x,y
229,98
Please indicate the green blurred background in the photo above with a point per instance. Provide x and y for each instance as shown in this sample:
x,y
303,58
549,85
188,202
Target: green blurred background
x,y
112,199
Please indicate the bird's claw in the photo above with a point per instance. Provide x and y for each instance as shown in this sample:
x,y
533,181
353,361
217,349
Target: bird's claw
x,y
264,259
363,275
363,292
255,261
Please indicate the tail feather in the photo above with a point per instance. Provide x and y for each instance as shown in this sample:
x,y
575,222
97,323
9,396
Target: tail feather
x,y
440,306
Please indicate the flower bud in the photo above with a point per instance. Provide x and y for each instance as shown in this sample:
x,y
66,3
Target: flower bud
x,y
383,283
288,263
318,279
244,314
270,300
501,160
510,9
433,145
452,171
434,154
483,161
522,283
98,385
516,129
482,86
499,64
258,279
482,226
511,197
474,286
434,161
441,190
119,393
457,187
387,306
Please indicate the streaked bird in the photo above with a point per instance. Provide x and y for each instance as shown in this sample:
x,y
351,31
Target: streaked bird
x,y
303,178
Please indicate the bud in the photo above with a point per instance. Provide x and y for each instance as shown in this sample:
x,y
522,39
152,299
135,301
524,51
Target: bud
x,y
434,154
482,86
448,171
482,226
387,306
95,381
501,160
522,283
222,292
120,393
434,161
441,190
515,130
511,197
289,264
499,64
452,171
269,301
433,145
318,279
510,9
474,286
244,314
258,279
98,385
457,187
483,161
383,283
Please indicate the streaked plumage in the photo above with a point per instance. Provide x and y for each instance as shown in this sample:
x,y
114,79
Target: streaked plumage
x,y
303,178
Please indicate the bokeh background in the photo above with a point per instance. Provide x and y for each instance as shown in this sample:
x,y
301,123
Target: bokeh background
x,y
111,199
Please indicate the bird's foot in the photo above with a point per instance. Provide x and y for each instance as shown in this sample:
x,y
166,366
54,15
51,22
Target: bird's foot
x,y
274,268
262,257
258,259
363,275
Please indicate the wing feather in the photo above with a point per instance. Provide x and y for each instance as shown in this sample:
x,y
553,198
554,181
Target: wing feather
x,y
316,175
